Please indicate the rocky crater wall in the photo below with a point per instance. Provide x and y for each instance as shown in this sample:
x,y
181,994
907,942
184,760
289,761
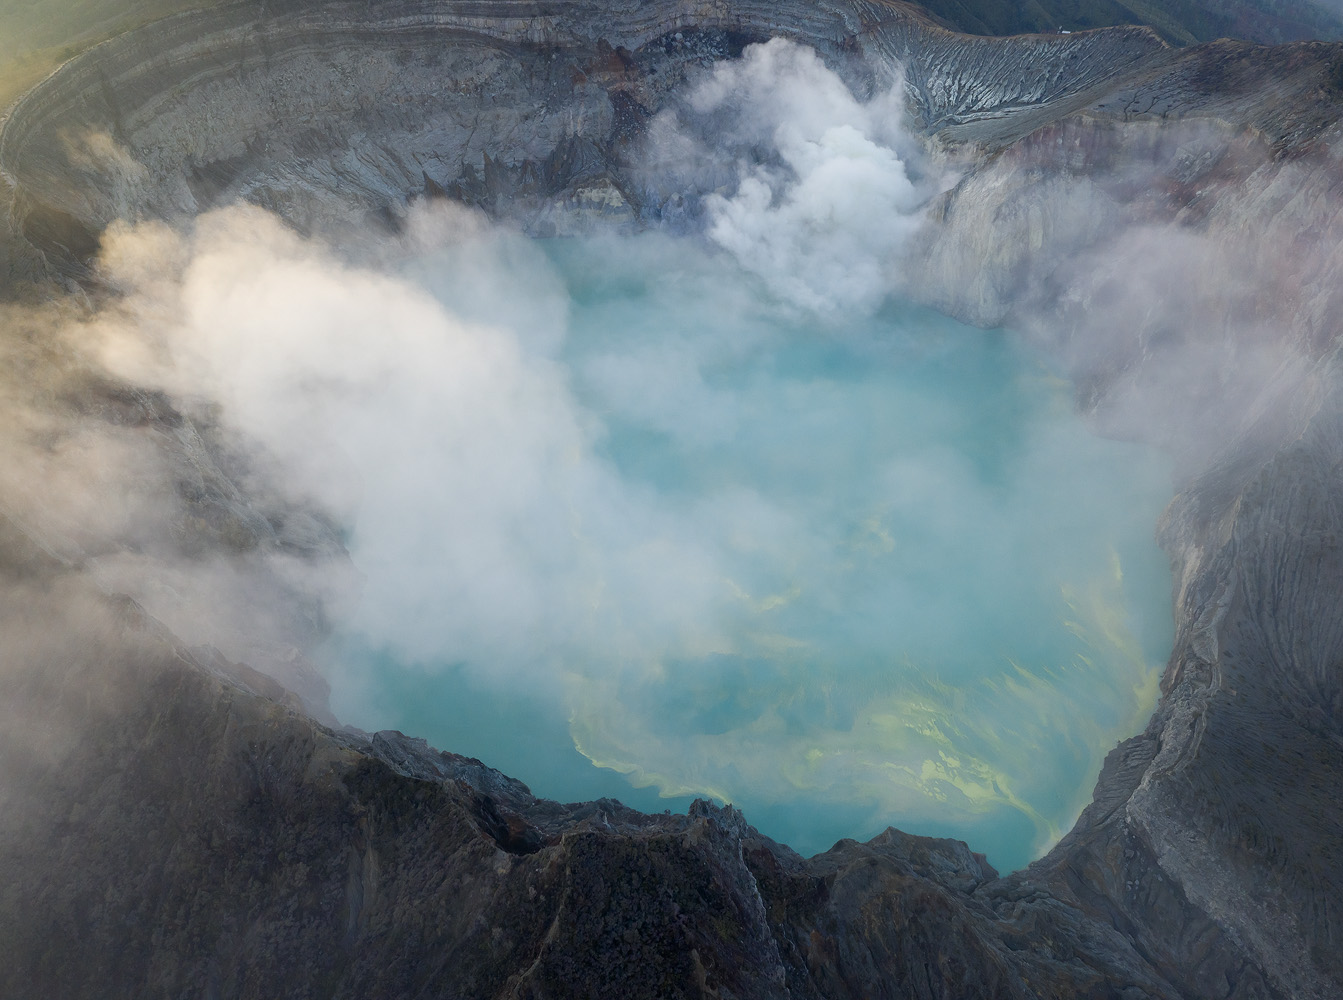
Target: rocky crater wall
x,y
327,109
1169,224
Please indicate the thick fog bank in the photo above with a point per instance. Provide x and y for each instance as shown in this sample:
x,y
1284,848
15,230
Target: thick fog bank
x,y
833,545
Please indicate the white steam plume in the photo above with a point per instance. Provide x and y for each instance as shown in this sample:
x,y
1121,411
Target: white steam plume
x,y
488,531
823,218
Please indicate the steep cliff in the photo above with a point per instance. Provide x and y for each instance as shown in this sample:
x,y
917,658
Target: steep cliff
x,y
1169,224
1182,22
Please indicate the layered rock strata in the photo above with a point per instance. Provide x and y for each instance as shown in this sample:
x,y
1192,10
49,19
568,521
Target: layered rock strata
x,y
1167,223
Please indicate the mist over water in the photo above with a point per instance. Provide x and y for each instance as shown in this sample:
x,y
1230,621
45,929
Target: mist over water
x,y
658,517
845,575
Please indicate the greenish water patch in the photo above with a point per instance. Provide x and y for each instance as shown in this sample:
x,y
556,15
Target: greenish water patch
x,y
845,576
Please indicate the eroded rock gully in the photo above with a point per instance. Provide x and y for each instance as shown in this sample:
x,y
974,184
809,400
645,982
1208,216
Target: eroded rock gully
x,y
1169,223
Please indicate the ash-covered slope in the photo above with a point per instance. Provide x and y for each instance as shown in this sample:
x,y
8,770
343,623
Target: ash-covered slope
x,y
1169,224
331,111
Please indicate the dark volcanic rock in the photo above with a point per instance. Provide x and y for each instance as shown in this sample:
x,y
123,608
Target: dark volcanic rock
x,y
175,830
171,826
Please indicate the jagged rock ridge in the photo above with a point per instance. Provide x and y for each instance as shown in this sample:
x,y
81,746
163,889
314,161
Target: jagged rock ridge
x,y
313,862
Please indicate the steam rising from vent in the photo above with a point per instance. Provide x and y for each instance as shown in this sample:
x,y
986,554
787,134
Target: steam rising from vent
x,y
823,218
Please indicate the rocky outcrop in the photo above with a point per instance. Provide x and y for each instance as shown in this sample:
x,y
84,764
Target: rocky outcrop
x,y
1167,223
1181,22
331,113
177,830
1177,242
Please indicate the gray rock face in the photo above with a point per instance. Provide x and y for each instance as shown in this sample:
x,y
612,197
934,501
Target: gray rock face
x,y
332,112
1169,224
1212,189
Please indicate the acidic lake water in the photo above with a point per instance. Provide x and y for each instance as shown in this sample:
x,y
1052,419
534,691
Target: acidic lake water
x,y
844,574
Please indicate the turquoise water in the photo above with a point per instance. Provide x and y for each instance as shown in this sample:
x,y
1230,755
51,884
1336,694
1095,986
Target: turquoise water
x,y
845,575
